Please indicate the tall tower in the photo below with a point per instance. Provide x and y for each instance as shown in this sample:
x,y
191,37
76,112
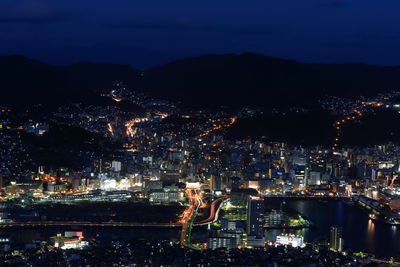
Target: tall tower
x,y
336,243
255,217
216,183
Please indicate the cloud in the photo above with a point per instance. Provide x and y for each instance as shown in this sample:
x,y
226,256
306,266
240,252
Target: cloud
x,y
186,25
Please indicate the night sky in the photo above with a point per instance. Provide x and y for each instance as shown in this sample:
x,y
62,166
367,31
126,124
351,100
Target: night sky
x,y
151,32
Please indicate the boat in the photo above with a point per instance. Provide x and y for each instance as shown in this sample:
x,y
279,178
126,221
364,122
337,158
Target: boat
x,y
383,219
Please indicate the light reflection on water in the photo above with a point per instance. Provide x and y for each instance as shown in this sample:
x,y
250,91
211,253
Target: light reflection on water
x,y
359,232
371,234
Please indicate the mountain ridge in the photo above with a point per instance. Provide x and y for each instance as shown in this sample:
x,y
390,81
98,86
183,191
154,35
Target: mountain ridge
x,y
206,80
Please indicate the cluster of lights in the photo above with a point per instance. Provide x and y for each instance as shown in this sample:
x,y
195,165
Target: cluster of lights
x,y
163,115
116,99
393,180
110,129
218,125
355,115
129,126
51,178
187,213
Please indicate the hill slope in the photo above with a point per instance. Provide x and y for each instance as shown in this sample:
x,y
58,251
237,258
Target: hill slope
x,y
209,80
25,81
262,80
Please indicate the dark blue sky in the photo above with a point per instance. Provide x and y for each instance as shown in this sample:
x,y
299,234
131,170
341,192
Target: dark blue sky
x,y
145,33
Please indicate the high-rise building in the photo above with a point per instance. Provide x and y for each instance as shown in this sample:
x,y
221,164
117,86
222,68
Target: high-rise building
x,y
221,242
314,178
227,225
216,183
255,217
336,242
299,174
116,166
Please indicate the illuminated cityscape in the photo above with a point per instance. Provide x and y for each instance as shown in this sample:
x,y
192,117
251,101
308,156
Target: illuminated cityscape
x,y
177,173
145,133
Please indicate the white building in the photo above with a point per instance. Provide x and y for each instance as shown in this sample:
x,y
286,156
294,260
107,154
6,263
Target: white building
x,y
162,196
221,242
116,166
290,240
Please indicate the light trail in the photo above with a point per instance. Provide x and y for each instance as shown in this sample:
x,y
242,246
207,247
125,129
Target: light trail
x,y
188,216
220,126
213,212
110,129
393,180
116,99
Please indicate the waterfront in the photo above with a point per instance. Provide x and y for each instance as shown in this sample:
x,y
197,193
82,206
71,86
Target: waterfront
x,y
95,233
96,211
359,232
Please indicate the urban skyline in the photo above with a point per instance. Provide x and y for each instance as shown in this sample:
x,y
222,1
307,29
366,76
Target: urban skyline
x,y
214,133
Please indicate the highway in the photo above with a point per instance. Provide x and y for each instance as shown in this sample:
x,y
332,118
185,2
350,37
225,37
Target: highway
x,y
214,211
188,216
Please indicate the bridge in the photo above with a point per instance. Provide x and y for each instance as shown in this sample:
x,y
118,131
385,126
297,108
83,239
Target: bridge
x,y
29,224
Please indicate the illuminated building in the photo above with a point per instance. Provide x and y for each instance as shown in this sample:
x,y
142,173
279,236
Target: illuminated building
x,y
108,184
255,217
314,178
36,128
5,243
163,196
24,187
170,175
299,174
216,183
275,218
255,184
221,242
70,240
227,225
336,241
116,166
290,240
152,185
135,179
254,241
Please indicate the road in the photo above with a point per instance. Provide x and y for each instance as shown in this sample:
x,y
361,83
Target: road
x,y
188,216
214,211
389,263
